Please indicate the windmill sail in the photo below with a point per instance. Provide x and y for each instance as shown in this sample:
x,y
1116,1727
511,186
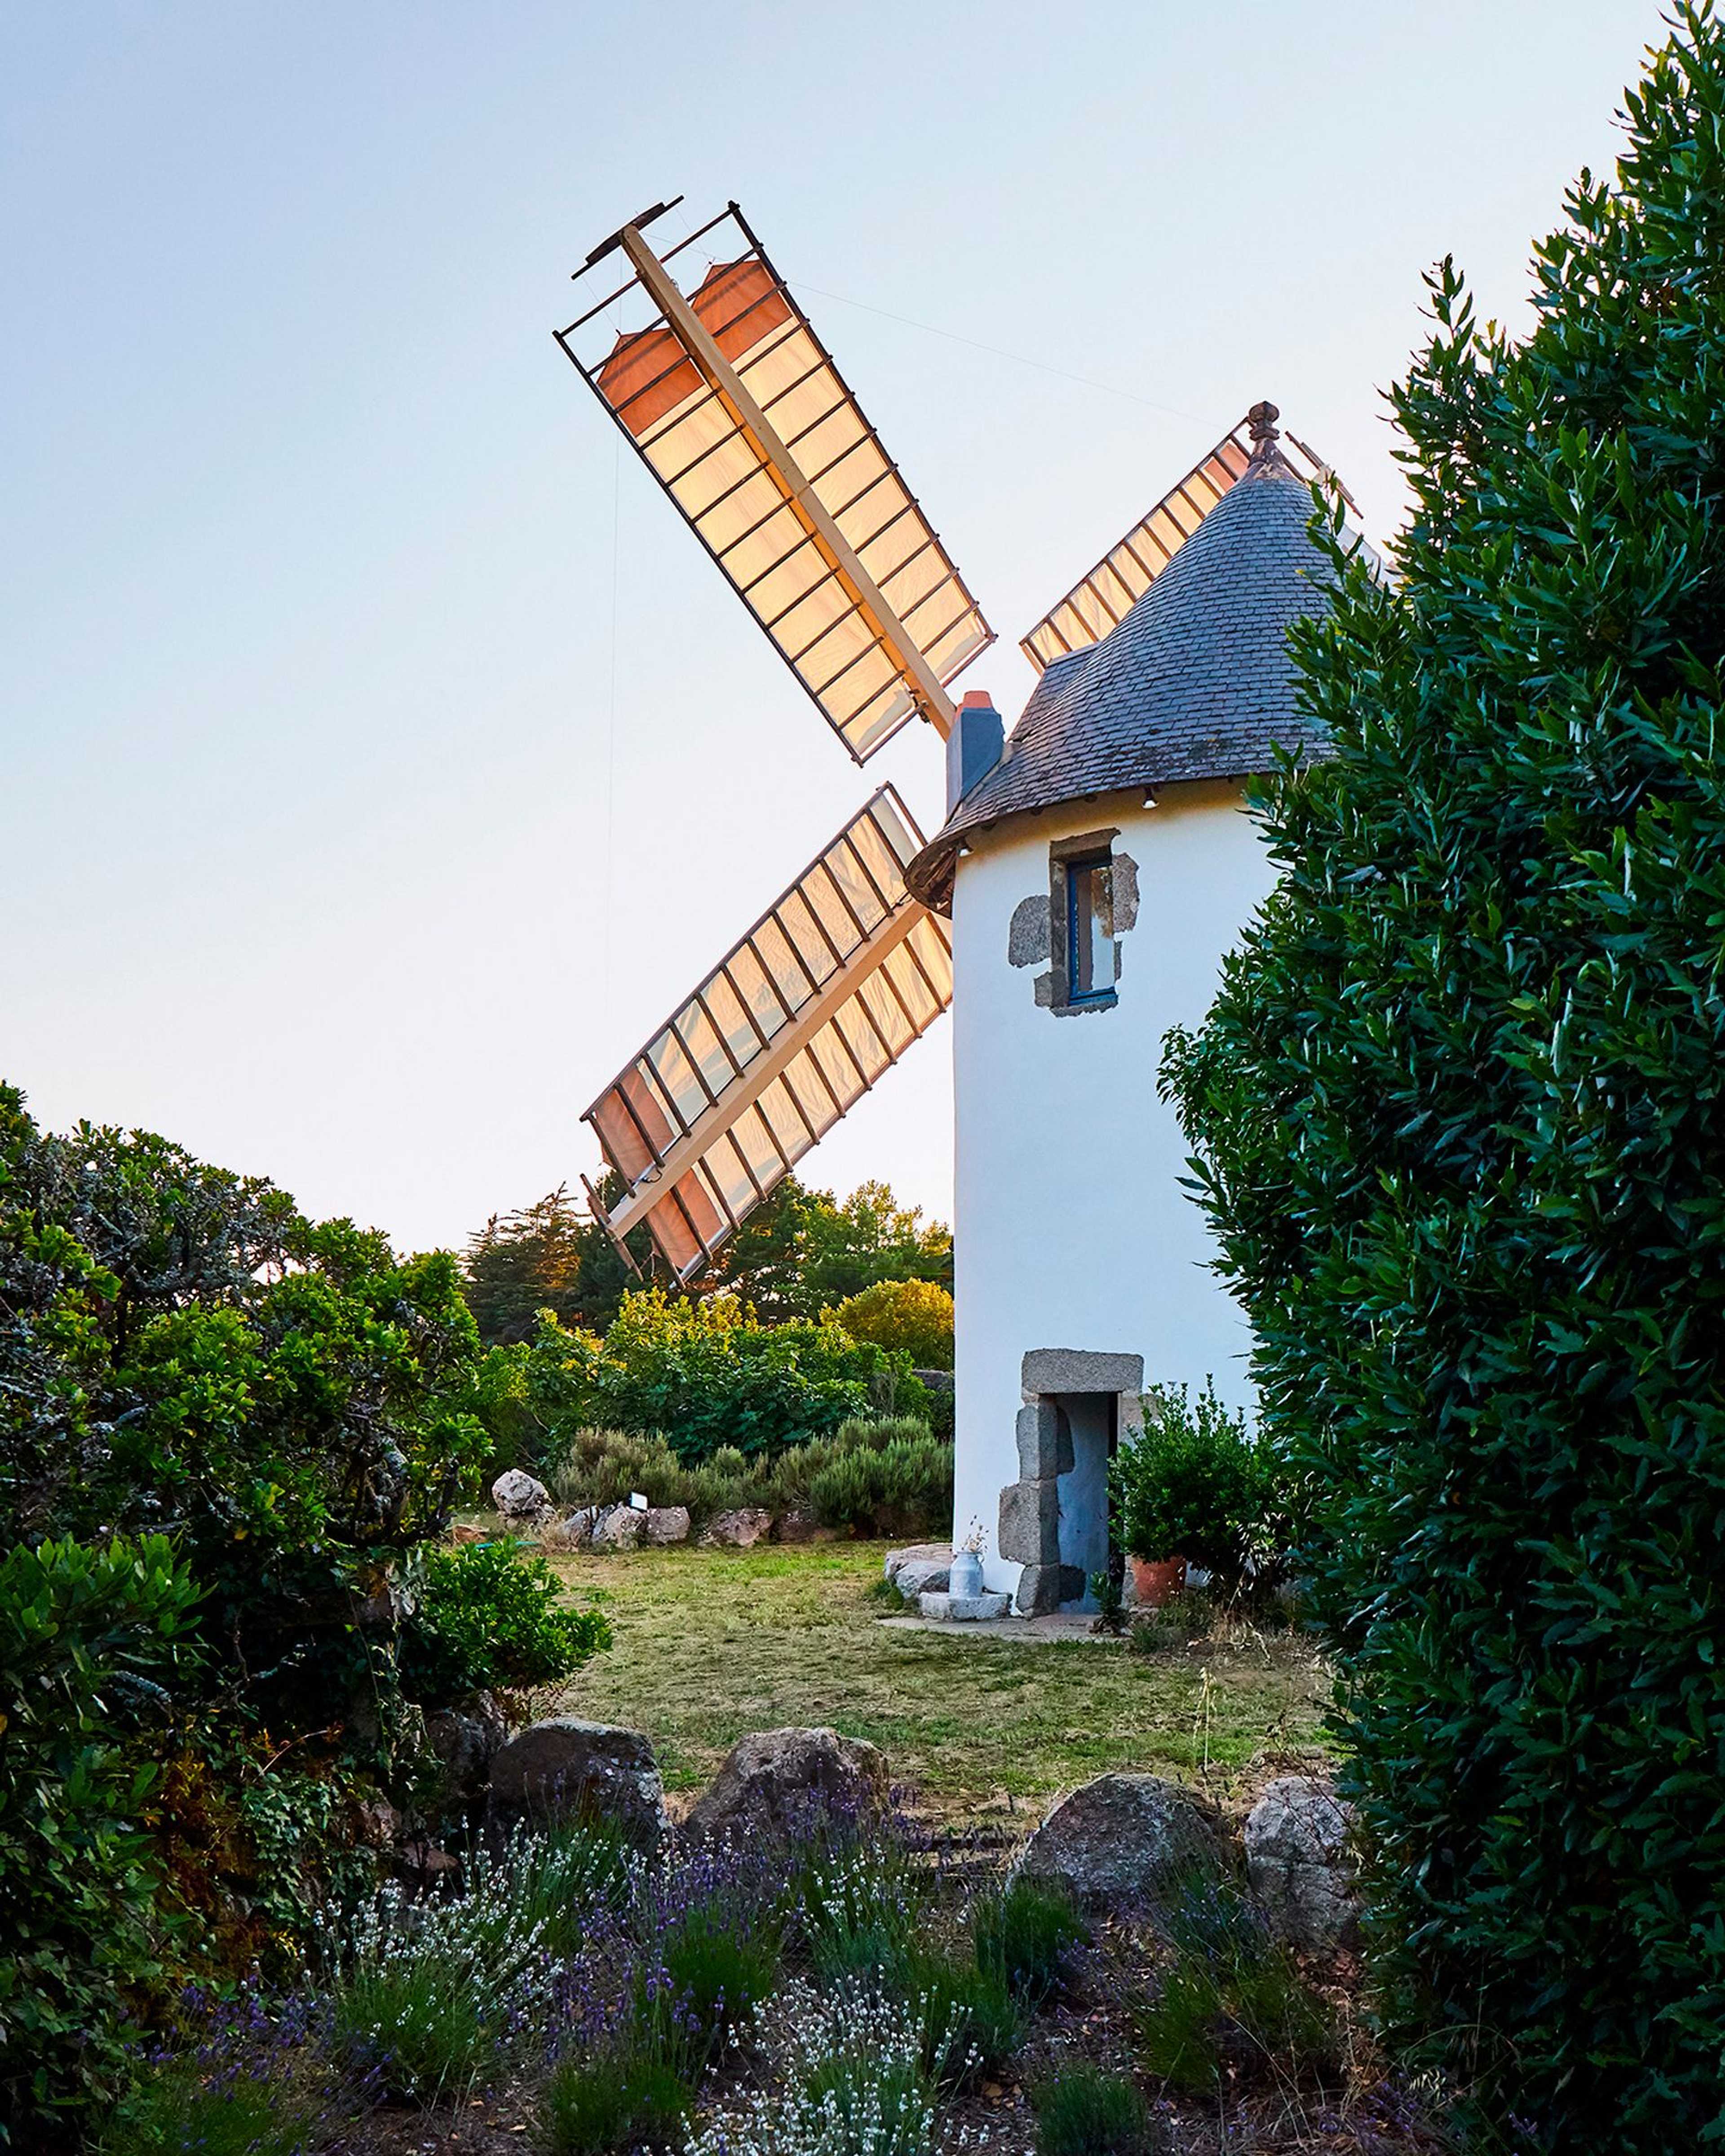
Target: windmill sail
x,y
789,1031
739,411
1097,602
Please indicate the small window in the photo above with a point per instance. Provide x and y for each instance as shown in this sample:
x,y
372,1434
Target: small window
x,y
1089,929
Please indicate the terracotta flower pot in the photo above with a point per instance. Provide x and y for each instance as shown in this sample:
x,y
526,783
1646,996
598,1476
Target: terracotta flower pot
x,y
1157,1580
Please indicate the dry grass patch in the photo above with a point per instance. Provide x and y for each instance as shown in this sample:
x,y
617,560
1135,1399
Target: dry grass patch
x,y
711,1644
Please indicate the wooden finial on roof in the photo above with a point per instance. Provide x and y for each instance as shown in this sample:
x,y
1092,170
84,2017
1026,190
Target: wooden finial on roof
x,y
1262,421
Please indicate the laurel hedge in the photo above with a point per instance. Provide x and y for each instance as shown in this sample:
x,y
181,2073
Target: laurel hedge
x,y
1459,1116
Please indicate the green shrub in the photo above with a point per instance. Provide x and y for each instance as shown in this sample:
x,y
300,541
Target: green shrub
x,y
857,1904
605,1467
1022,1933
1193,1483
1230,1996
1189,1615
874,1474
617,2100
1458,1108
420,2031
706,1374
845,2077
487,1620
551,1884
911,1316
890,1477
865,2104
1083,2111
87,1637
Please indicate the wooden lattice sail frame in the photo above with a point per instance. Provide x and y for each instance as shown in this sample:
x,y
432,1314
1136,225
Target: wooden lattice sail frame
x,y
736,407
841,974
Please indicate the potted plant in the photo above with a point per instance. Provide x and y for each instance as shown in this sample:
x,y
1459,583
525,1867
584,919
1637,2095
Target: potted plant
x,y
965,1580
1190,1488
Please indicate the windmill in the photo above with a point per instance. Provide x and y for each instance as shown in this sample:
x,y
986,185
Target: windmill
x,y
709,366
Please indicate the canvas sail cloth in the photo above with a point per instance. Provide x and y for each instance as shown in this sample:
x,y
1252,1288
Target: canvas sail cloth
x,y
827,990
742,505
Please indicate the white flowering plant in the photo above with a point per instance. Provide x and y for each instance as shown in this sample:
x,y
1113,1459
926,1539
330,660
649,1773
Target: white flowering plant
x,y
848,2074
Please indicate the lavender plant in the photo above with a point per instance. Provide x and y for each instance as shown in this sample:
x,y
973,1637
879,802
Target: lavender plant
x,y
248,2083
617,2100
858,1906
429,1994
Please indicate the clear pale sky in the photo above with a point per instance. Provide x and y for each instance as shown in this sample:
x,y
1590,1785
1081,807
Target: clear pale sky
x,y
383,759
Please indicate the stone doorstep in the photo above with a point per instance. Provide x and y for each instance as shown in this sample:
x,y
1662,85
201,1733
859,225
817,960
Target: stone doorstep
x,y
963,1609
1022,1631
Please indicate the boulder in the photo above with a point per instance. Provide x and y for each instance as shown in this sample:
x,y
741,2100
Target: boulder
x,y
665,1523
376,1822
462,1533
568,1769
921,1569
1300,1863
617,1528
520,1496
466,1739
800,1525
739,1530
422,1864
574,1531
1122,1840
783,1780
916,1553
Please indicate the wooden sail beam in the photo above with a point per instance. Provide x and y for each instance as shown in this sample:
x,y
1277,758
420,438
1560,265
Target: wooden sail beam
x,y
798,492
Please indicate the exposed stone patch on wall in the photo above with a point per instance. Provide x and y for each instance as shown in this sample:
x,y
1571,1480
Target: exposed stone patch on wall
x,y
1037,931
1125,894
1039,1590
1027,933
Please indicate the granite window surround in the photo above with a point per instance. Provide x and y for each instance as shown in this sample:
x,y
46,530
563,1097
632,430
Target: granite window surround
x,y
1041,927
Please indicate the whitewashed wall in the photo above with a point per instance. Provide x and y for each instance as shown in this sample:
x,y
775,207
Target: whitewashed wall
x,y
1070,1226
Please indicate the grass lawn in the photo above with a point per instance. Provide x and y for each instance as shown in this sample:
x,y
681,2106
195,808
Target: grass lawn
x,y
710,1643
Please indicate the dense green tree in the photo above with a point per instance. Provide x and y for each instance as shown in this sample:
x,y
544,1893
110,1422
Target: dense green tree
x,y
799,1252
225,1430
1459,1109
705,1373
552,1255
914,1315
870,1236
182,1351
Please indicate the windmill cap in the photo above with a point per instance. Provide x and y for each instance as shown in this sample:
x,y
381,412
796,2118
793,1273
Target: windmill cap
x,y
1195,682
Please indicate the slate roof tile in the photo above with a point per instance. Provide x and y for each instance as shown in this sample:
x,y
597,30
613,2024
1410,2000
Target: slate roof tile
x,y
1196,682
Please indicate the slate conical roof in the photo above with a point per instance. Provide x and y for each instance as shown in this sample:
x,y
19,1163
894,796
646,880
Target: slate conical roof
x,y
1196,681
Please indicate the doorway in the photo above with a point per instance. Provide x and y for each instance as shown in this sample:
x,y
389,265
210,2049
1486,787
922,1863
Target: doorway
x,y
1090,1430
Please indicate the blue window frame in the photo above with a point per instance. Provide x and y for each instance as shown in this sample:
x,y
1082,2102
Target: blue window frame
x,y
1089,929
